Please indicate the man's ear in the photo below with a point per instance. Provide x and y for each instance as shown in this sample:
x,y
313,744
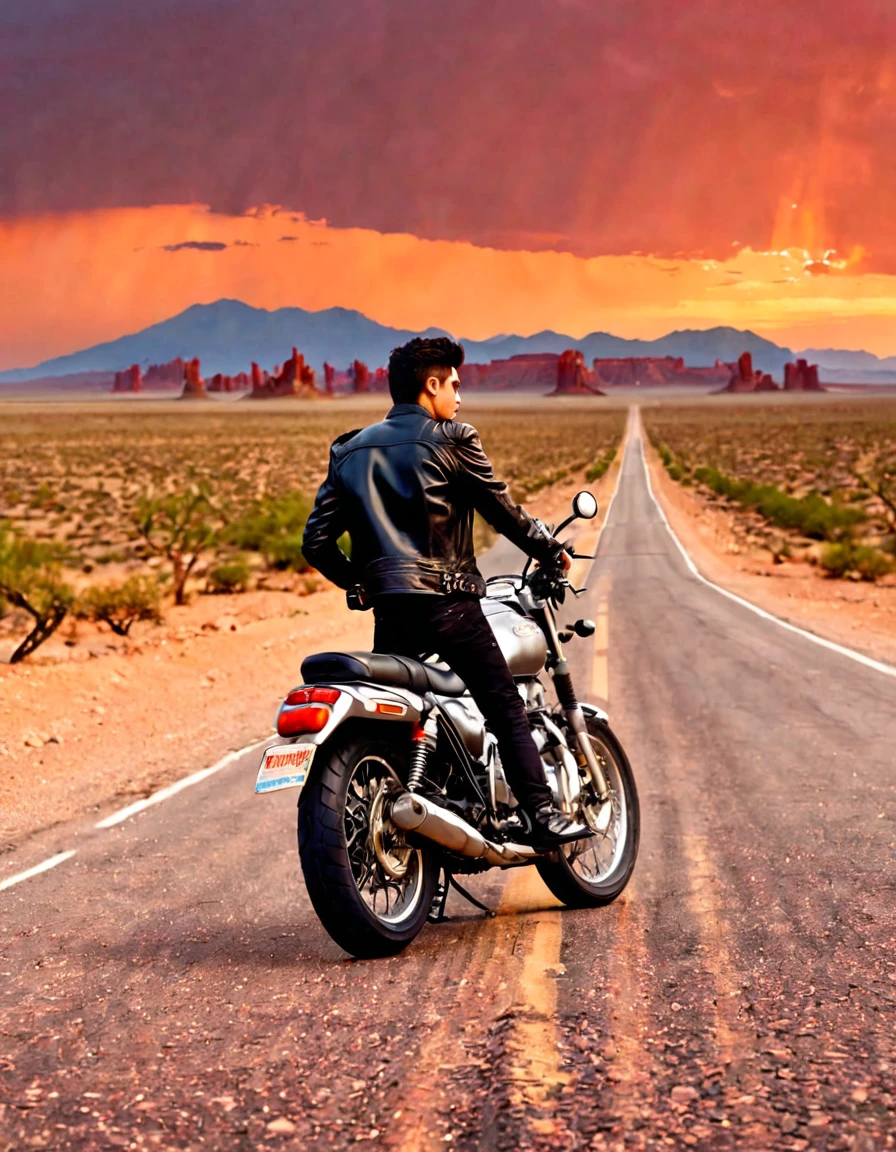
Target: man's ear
x,y
432,385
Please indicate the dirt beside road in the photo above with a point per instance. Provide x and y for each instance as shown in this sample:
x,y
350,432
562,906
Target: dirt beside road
x,y
858,615
98,724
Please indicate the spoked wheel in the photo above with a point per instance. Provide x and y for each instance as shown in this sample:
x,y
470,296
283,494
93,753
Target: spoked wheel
x,y
594,871
371,890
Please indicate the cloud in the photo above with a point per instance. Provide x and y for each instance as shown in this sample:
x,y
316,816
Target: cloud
x,y
287,239
593,128
195,245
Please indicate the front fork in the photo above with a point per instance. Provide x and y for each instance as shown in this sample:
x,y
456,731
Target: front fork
x,y
575,717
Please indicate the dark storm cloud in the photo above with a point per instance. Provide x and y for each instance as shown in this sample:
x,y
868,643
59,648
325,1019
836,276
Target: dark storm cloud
x,y
608,126
196,245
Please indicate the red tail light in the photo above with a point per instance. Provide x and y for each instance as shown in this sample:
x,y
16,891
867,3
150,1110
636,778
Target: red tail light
x,y
306,710
312,696
293,721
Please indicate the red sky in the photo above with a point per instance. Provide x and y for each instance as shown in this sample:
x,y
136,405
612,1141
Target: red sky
x,y
681,129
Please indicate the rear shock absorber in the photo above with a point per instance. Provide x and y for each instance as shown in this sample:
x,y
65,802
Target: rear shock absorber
x,y
423,740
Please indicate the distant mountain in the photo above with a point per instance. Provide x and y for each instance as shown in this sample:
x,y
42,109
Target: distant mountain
x,y
228,335
849,361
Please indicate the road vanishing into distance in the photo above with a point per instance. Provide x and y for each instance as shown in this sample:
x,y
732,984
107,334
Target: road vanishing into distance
x,y
168,986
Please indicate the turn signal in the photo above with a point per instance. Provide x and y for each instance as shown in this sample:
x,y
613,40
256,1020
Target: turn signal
x,y
293,721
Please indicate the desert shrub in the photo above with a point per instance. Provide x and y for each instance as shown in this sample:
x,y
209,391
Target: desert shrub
x,y
841,559
31,579
811,515
600,466
178,526
122,605
273,526
231,575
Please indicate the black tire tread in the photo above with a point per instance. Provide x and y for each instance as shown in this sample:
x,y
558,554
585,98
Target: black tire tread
x,y
557,874
325,866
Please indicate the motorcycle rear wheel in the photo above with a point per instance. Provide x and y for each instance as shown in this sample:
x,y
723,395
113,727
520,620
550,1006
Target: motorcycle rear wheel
x,y
593,872
370,890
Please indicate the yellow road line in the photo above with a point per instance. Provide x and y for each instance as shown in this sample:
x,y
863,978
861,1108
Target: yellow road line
x,y
535,1071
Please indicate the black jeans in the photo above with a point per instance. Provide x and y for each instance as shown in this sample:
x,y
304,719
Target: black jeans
x,y
455,628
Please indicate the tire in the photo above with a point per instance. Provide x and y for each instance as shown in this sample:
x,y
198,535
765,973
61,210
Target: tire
x,y
564,872
380,915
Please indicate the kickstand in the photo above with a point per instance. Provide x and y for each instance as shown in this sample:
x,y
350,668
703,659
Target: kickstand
x,y
439,899
466,895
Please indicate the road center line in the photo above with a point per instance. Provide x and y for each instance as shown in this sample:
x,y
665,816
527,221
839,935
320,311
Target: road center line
x,y
37,869
178,786
851,654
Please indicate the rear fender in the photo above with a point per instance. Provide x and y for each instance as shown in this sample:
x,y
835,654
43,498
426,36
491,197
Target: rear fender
x,y
363,702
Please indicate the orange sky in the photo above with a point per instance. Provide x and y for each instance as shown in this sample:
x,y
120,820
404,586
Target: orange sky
x,y
71,280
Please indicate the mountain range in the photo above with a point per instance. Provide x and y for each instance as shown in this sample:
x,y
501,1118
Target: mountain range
x,y
228,335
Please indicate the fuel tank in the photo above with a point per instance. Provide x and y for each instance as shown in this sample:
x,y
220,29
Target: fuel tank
x,y
520,639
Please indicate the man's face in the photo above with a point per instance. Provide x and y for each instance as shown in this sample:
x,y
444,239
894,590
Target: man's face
x,y
444,395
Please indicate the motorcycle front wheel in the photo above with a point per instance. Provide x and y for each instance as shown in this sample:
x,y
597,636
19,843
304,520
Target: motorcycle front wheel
x,y
592,872
371,891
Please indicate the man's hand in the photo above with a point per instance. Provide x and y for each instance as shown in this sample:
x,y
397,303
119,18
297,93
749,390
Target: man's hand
x,y
564,560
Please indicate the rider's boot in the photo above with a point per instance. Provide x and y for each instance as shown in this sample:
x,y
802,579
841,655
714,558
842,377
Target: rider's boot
x,y
550,828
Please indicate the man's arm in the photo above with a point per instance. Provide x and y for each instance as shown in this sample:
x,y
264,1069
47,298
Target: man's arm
x,y
490,498
324,527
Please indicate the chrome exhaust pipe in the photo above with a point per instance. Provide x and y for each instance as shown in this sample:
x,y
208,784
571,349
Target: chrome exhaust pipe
x,y
413,813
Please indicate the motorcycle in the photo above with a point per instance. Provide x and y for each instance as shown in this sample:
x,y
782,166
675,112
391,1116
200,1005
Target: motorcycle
x,y
402,787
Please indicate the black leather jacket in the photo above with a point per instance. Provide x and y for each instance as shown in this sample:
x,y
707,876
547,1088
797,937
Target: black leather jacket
x,y
405,490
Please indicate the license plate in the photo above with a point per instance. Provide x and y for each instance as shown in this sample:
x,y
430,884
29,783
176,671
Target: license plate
x,y
284,766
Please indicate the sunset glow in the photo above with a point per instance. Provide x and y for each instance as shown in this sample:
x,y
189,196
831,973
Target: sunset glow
x,y
72,280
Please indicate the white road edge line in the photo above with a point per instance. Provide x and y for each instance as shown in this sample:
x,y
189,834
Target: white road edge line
x,y
850,653
37,869
178,786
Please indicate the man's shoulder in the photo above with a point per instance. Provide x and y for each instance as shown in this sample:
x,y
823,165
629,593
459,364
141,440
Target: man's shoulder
x,y
456,432
344,439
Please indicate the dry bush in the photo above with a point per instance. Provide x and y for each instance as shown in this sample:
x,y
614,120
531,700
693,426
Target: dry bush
x,y
825,471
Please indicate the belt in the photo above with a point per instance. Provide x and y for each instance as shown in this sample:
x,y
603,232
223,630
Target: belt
x,y
393,574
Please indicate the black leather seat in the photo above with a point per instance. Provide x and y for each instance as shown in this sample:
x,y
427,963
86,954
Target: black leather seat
x,y
396,671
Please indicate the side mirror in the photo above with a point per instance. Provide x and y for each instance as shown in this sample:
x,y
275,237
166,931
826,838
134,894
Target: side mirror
x,y
584,505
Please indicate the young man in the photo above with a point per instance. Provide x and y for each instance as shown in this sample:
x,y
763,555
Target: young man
x,y
405,490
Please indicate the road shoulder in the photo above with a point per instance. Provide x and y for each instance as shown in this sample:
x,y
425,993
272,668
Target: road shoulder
x,y
855,615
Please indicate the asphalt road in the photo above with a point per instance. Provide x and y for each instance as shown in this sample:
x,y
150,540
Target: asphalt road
x,y
168,985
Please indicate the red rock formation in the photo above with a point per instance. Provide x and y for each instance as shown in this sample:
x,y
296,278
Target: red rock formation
x,y
296,378
168,376
653,371
573,378
528,372
329,377
381,380
241,382
745,379
801,377
194,385
128,381
361,376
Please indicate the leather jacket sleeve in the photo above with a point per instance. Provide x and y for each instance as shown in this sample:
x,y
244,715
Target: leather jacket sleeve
x,y
490,498
324,527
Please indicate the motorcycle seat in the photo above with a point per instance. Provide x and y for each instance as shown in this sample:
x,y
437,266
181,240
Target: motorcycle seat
x,y
381,668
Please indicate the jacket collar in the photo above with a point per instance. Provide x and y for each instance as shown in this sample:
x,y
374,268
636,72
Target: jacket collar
x,y
407,410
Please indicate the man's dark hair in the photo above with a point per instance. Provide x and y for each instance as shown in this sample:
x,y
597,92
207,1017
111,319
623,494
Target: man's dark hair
x,y
413,363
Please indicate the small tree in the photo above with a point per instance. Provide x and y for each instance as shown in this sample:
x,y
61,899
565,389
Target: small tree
x,y
31,579
179,526
880,481
122,605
